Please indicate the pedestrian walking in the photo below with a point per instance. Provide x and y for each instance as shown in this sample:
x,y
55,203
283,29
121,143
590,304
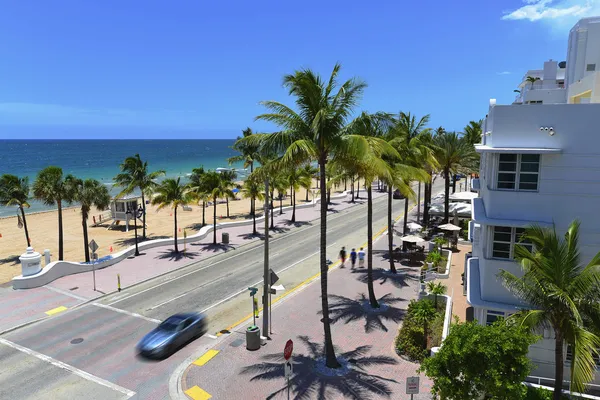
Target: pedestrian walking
x,y
353,256
343,256
361,258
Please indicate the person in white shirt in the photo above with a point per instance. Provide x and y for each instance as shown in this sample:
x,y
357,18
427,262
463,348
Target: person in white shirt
x,y
361,258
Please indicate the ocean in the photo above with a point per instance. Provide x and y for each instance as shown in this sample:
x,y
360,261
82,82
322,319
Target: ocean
x,y
100,159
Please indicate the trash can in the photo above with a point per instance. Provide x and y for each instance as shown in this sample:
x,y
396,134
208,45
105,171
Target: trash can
x,y
253,338
225,238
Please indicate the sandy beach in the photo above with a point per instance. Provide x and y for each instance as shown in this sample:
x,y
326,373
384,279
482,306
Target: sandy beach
x,y
43,230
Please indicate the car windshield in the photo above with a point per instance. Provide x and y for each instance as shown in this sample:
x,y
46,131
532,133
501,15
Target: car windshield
x,y
170,324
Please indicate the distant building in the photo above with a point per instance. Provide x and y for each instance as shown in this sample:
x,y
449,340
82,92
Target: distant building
x,y
540,164
119,207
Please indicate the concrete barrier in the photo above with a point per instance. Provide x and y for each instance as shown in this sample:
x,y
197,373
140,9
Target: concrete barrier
x,y
58,269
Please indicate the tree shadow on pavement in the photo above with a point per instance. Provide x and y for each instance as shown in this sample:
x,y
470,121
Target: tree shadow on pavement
x,y
308,382
349,310
213,247
14,260
250,236
176,256
297,224
131,241
383,276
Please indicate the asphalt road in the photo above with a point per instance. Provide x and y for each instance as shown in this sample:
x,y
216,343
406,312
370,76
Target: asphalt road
x,y
88,352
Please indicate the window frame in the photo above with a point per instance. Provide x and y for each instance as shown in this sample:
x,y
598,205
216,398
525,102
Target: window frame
x,y
518,172
569,357
514,240
587,67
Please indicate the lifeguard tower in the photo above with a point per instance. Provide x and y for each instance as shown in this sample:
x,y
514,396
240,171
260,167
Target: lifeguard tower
x,y
119,207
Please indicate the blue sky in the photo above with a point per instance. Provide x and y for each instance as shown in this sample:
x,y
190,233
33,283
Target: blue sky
x,y
136,68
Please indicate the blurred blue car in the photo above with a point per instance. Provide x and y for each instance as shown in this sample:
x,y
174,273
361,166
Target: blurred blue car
x,y
171,334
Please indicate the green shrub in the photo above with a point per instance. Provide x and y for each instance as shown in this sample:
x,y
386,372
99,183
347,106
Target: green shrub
x,y
409,341
540,394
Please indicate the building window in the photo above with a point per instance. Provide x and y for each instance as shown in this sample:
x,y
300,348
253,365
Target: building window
x,y
570,356
518,172
591,67
119,207
492,316
505,239
534,102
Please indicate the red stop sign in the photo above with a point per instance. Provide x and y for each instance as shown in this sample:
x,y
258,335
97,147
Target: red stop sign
x,y
287,351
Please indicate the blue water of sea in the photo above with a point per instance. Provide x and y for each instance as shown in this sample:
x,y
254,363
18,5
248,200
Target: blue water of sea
x,y
100,159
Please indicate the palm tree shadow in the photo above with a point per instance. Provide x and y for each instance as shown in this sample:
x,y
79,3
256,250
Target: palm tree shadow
x,y
126,242
297,224
279,229
348,310
13,260
213,247
308,382
383,276
250,236
176,256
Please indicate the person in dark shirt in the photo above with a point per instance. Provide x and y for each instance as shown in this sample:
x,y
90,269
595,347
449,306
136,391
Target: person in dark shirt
x,y
353,256
343,256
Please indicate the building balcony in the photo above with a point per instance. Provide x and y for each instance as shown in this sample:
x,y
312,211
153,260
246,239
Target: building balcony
x,y
474,291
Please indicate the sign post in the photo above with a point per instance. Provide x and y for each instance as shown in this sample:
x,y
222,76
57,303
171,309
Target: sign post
x,y
412,386
94,246
287,354
253,291
273,278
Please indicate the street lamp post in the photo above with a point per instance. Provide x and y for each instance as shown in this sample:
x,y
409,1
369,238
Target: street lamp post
x,y
136,214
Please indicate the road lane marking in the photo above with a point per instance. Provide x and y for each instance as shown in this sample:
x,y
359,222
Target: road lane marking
x,y
131,314
206,357
332,218
211,336
56,310
57,290
85,375
197,394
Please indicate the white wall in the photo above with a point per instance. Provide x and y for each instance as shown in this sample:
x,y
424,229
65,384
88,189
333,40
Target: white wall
x,y
548,94
583,48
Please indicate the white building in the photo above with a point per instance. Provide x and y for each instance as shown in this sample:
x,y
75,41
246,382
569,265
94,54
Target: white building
x,y
540,164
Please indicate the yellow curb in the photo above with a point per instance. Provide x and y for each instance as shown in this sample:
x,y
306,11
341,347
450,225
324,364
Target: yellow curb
x,y
206,357
56,310
197,394
306,281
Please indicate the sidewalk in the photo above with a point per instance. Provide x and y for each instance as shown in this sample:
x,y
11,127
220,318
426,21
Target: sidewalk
x,y
364,343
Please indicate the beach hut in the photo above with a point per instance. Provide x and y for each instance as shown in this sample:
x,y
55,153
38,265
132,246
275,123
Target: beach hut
x,y
119,207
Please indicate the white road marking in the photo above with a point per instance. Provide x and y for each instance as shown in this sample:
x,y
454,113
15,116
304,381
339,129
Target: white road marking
x,y
85,375
57,290
131,314
211,336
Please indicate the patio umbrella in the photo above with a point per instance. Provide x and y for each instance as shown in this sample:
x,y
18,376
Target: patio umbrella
x,y
412,239
413,226
450,227
235,190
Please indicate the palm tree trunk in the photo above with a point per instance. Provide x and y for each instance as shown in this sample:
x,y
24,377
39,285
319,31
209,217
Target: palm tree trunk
x,y
86,248
281,205
254,224
426,204
446,194
227,202
143,216
372,298
25,226
391,231
405,227
215,221
358,188
453,183
252,199
60,230
175,218
203,212
558,365
272,213
307,189
425,335
352,189
293,205
345,184
330,359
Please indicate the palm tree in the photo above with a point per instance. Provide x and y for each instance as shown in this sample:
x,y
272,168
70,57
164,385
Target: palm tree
x,y
217,188
424,313
318,132
296,178
172,193
436,289
49,187
248,155
562,294
472,132
88,193
452,153
134,175
14,191
532,80
309,172
198,190
254,190
228,178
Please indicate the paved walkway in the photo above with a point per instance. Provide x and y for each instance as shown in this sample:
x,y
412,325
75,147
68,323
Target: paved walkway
x,y
364,343
454,282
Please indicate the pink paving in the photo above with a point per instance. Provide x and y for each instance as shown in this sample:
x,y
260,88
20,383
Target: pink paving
x,y
365,339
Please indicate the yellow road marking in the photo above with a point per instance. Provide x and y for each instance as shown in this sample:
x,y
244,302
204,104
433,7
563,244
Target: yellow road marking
x,y
306,281
197,394
206,357
56,310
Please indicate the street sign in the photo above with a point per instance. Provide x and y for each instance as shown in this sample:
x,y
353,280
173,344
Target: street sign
x,y
94,256
93,246
287,351
274,277
412,385
253,291
289,369
273,291
279,288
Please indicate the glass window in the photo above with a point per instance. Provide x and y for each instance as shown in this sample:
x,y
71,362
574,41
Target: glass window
x,y
120,207
591,67
492,316
518,172
504,241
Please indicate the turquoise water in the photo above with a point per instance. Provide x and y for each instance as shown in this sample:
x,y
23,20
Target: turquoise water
x,y
100,159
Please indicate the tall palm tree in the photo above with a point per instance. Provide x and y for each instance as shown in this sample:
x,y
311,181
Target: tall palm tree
x,y
88,193
50,188
317,132
424,313
217,189
253,189
14,191
472,132
135,175
310,172
562,295
249,154
198,189
172,193
452,153
296,178
228,178
532,80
